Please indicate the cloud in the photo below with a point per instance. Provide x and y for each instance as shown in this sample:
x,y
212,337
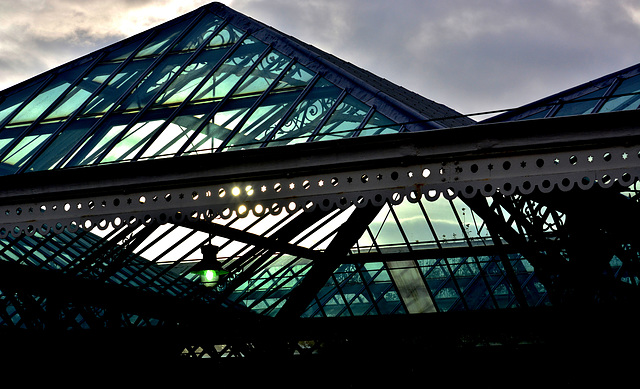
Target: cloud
x,y
36,35
470,55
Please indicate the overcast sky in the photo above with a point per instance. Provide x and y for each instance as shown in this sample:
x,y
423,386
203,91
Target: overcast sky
x,y
472,55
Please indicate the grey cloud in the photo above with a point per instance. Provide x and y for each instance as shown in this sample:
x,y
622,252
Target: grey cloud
x,y
470,55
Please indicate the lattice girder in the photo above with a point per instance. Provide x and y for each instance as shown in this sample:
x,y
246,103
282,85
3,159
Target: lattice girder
x,y
464,161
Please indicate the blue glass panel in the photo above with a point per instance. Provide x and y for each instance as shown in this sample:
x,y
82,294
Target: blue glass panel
x,y
215,132
625,97
7,135
584,105
266,117
228,36
262,121
136,137
122,53
538,115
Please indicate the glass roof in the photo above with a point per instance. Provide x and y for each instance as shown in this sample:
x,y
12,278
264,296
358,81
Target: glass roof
x,y
202,84
196,85
619,91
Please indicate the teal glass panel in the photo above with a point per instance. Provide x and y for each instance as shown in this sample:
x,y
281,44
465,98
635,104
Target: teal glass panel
x,y
63,144
124,52
164,40
81,92
97,143
117,86
584,105
22,152
180,131
346,119
296,78
379,124
135,138
14,100
228,75
263,75
45,98
199,34
6,137
260,123
308,114
191,76
265,118
625,97
228,36
215,132
153,82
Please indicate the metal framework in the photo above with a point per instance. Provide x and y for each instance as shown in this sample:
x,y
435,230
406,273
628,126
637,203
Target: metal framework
x,y
213,128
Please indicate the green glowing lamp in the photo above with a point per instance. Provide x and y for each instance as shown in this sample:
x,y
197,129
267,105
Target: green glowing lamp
x,y
209,269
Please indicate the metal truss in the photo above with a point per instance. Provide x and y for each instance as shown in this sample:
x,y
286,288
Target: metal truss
x,y
503,157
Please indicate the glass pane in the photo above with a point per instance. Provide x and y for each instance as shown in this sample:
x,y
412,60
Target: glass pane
x,y
117,86
153,82
379,124
345,121
45,98
228,36
263,75
97,143
164,40
135,138
228,75
307,114
261,123
21,153
191,76
265,118
176,134
63,144
81,92
199,33
622,102
296,78
6,137
13,101
120,54
584,105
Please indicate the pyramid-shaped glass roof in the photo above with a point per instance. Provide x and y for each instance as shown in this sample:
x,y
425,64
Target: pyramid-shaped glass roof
x,y
618,91
210,81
